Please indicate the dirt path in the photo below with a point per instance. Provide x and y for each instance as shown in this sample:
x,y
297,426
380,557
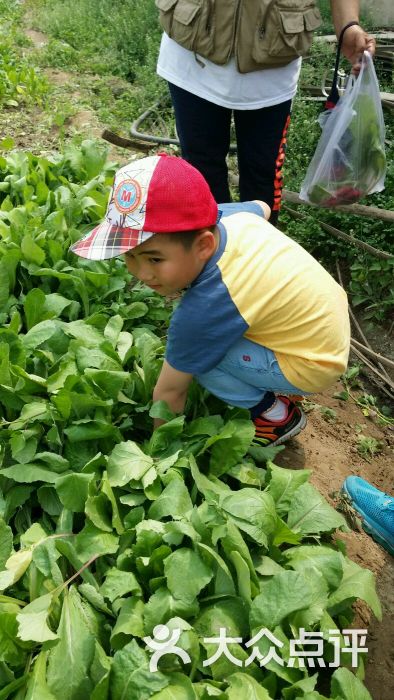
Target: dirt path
x,y
329,449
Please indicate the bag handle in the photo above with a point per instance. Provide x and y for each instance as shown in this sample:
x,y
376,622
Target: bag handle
x,y
333,97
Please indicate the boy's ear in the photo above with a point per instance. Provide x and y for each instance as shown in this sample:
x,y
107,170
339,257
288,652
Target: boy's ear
x,y
205,244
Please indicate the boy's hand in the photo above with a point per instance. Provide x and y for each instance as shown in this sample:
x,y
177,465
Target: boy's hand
x,y
171,387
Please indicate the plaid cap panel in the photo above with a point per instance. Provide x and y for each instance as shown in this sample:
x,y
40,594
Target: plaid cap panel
x,y
108,240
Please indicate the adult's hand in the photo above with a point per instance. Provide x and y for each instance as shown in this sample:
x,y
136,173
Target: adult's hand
x,y
355,41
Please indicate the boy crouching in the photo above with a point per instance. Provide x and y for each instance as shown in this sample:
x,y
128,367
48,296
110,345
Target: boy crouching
x,y
259,318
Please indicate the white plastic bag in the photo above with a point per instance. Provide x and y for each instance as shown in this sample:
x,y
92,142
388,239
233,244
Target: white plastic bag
x,y
349,161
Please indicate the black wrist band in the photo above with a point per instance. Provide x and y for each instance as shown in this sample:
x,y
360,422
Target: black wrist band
x,y
333,97
349,24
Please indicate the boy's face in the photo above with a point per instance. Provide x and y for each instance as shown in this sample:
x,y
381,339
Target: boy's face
x,y
166,265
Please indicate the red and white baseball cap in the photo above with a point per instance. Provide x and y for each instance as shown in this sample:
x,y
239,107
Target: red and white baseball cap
x,y
158,194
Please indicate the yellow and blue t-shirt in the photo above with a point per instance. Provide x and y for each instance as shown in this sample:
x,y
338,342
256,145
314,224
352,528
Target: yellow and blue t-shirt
x,y
262,285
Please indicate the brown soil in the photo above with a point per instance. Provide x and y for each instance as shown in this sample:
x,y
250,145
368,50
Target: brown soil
x,y
38,38
329,449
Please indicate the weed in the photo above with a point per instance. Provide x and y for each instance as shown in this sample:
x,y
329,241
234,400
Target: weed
x,y
308,406
19,82
341,395
343,504
371,286
367,402
59,54
368,447
328,414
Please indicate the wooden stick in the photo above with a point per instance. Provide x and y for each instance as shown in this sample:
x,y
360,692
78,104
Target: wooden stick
x,y
382,359
357,209
365,339
342,235
356,323
372,367
111,137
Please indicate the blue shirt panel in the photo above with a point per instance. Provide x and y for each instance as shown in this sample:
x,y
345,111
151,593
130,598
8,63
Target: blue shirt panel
x,y
207,322
230,208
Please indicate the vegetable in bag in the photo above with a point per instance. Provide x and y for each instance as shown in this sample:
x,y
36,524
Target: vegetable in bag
x,y
349,161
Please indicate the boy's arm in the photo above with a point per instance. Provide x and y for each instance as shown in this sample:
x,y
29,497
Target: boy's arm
x,y
171,387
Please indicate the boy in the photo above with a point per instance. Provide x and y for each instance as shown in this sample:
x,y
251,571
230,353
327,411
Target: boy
x,y
260,317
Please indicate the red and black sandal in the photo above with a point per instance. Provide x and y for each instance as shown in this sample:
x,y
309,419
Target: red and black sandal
x,y
275,432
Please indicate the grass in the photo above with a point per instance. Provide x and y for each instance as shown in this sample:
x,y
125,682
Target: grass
x,y
109,36
109,49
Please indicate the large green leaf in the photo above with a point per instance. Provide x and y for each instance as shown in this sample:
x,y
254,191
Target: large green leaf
x,y
187,574
131,678
127,462
180,688
5,543
230,613
37,688
29,473
32,620
70,660
325,559
174,501
356,583
310,513
40,333
311,615
283,594
224,583
130,623
252,511
283,483
346,686
230,445
110,382
91,542
73,490
244,686
162,606
118,583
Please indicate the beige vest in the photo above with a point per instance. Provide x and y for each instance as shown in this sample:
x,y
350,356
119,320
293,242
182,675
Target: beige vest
x,y
259,33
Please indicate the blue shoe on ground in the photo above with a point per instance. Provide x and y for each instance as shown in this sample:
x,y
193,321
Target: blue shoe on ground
x,y
375,508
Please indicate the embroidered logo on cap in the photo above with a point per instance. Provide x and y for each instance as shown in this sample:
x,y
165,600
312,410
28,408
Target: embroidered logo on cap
x,y
127,196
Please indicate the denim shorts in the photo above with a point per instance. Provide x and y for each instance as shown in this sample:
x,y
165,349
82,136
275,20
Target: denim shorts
x,y
245,374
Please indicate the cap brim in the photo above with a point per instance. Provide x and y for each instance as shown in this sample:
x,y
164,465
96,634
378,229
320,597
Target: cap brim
x,y
109,240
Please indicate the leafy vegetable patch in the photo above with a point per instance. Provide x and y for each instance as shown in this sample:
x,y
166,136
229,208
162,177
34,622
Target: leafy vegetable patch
x,y
111,535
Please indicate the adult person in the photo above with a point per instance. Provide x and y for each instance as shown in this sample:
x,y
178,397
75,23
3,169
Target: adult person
x,y
243,58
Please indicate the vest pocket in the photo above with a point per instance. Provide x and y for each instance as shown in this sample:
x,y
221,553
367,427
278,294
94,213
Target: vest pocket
x,y
286,31
166,8
188,22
